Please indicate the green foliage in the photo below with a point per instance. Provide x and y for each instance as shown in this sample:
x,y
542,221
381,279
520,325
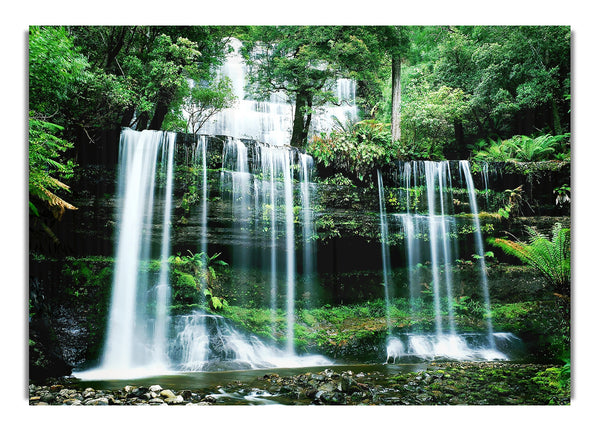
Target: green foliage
x,y
357,152
205,101
522,148
513,200
429,113
552,258
55,69
46,154
554,377
195,276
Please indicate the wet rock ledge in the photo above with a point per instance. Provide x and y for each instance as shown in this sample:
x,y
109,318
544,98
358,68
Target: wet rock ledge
x,y
458,383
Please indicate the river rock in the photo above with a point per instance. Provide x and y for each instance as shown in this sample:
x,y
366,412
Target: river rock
x,y
67,393
167,393
348,384
156,402
178,399
155,388
88,393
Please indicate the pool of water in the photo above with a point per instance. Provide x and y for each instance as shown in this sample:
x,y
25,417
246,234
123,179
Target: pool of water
x,y
212,379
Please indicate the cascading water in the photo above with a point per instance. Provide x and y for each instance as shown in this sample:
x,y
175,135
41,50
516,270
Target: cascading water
x,y
430,233
137,324
466,171
140,342
163,289
385,253
308,224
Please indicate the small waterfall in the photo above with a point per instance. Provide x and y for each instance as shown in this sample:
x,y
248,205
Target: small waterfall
x,y
430,221
466,170
202,151
205,342
485,175
385,251
308,224
163,290
130,342
236,186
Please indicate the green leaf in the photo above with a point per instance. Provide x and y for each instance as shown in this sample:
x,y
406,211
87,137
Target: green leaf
x,y
33,209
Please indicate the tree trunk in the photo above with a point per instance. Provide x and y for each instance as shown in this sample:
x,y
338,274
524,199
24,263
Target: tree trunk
x,y
459,135
302,118
127,117
165,98
142,121
159,115
114,49
396,97
556,118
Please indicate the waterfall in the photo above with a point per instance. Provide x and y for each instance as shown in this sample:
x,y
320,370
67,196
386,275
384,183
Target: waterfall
x,y
430,234
270,121
142,339
163,290
130,343
206,342
466,171
308,227
202,147
385,252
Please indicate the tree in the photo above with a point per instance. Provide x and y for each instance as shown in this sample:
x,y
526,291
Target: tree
x,y
303,62
153,66
517,78
205,101
395,42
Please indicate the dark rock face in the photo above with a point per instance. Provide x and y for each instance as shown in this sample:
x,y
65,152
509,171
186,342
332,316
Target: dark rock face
x,y
345,215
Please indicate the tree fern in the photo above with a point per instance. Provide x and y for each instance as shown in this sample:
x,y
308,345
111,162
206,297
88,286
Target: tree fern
x,y
552,258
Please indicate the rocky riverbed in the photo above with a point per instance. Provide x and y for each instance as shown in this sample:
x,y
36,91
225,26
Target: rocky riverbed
x,y
463,383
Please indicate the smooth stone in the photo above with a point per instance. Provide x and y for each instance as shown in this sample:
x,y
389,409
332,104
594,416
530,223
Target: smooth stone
x,y
167,393
174,400
155,388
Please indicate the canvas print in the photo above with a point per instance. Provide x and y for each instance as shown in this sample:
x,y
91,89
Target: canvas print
x,y
299,215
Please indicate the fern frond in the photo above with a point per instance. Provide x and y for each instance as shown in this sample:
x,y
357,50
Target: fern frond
x,y
551,257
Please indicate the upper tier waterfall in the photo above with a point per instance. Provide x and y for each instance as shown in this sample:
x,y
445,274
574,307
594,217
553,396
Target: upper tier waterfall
x,y
270,121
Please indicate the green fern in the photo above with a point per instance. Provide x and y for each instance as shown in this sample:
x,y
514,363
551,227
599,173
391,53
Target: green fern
x,y
552,258
45,153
